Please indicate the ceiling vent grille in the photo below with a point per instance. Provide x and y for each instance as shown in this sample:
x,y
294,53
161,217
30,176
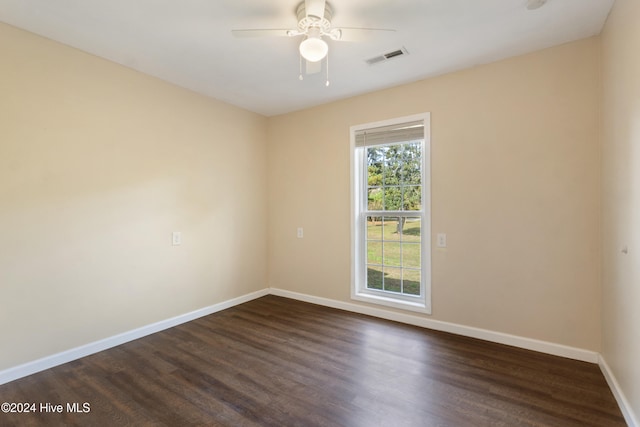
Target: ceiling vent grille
x,y
387,56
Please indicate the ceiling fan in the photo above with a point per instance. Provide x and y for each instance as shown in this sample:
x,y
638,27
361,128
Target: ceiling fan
x,y
314,23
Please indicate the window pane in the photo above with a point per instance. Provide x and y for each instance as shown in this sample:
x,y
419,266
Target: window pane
x,y
412,198
374,199
411,161
374,174
402,221
392,198
411,255
374,228
374,278
392,254
390,228
411,230
374,252
411,282
393,165
392,279
392,171
376,154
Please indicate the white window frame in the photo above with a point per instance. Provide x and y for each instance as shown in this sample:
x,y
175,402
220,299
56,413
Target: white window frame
x,y
359,290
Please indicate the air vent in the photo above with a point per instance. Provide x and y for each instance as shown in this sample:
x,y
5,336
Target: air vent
x,y
387,56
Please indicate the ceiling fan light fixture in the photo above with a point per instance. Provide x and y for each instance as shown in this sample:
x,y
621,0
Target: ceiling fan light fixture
x,y
314,49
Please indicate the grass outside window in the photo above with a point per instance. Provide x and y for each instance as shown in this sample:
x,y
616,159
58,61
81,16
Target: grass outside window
x,y
393,254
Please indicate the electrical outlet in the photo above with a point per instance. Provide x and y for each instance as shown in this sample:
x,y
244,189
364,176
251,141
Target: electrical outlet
x,y
300,233
441,240
176,237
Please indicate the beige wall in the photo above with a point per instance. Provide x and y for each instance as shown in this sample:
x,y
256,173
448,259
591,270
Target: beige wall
x,y
98,165
621,196
516,173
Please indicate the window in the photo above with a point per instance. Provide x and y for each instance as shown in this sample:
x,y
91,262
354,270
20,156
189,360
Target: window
x,y
391,238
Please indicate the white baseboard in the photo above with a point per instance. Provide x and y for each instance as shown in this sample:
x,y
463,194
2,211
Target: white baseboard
x,y
623,403
468,331
29,368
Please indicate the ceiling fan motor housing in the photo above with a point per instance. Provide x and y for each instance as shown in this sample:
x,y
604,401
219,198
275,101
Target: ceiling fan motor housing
x,y
305,22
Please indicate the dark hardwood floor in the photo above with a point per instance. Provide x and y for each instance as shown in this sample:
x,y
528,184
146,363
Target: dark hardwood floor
x,y
280,362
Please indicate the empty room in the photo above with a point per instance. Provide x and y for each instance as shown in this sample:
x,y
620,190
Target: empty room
x,y
320,213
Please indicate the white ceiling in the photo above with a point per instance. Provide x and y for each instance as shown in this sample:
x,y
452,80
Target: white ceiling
x,y
189,42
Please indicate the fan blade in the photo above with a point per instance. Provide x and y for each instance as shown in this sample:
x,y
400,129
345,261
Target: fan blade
x,y
314,8
358,34
261,33
313,67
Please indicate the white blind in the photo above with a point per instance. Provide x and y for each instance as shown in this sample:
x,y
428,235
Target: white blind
x,y
401,132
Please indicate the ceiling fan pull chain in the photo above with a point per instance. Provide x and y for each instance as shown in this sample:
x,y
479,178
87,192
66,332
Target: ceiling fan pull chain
x,y
327,83
300,76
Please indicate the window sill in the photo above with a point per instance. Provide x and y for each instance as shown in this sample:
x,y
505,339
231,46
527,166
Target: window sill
x,y
417,306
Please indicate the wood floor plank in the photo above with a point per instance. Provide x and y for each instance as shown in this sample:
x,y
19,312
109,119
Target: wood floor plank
x,y
280,362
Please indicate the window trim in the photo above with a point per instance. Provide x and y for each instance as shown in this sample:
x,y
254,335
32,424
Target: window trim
x,y
358,257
